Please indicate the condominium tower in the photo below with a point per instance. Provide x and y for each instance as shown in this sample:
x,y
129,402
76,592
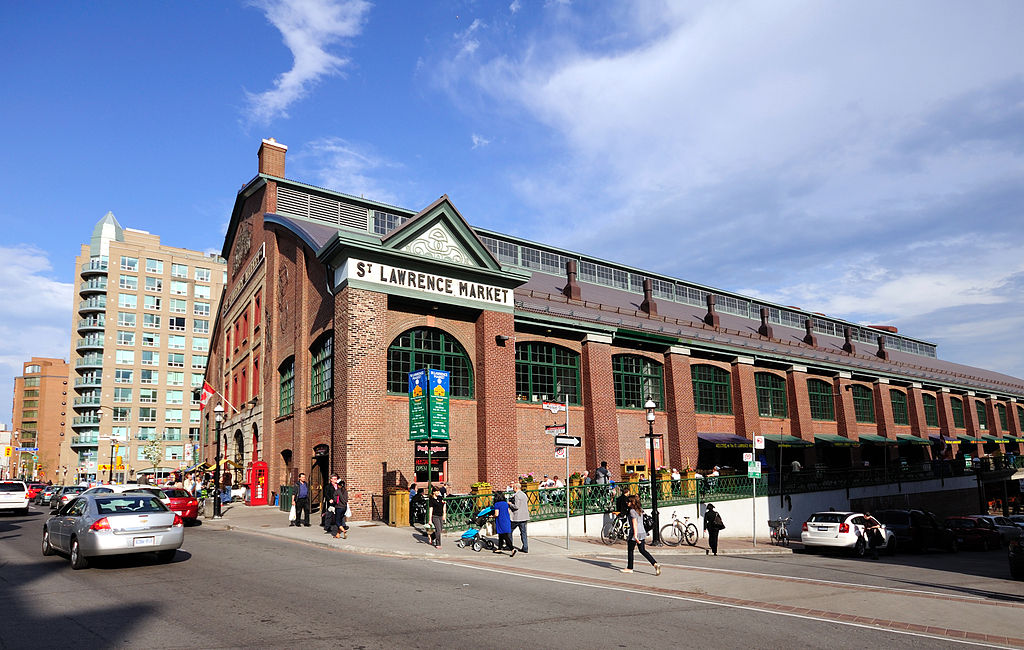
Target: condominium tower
x,y
140,341
40,413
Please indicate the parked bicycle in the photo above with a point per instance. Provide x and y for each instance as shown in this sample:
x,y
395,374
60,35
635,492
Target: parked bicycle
x,y
675,532
779,532
618,528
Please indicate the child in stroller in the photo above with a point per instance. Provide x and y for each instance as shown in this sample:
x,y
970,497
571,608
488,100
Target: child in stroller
x,y
473,536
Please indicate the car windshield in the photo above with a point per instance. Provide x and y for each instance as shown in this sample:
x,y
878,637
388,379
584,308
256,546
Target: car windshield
x,y
157,492
126,503
176,493
12,487
828,517
893,517
960,523
76,489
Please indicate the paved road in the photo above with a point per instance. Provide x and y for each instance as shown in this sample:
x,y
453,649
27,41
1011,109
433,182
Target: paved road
x,y
236,589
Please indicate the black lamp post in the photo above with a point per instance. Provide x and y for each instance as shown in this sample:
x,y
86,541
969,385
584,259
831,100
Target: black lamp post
x,y
113,445
655,488
218,416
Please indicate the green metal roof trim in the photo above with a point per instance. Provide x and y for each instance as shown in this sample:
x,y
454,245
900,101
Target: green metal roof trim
x,y
905,439
646,337
834,440
785,440
875,439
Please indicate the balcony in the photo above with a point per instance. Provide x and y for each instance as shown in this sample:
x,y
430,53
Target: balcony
x,y
92,324
85,421
94,267
85,441
93,342
89,381
89,361
89,401
93,304
95,285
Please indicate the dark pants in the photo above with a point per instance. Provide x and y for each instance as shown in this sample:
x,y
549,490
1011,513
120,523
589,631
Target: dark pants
x,y
338,520
713,540
301,506
632,544
505,541
438,527
521,525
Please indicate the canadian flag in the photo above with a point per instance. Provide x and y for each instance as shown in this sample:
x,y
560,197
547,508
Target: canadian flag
x,y
205,396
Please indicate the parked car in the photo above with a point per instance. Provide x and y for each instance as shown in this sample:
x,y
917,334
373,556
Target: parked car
x,y
158,492
113,524
1007,529
182,502
1018,520
1016,555
917,530
34,489
842,530
14,496
973,532
61,497
44,495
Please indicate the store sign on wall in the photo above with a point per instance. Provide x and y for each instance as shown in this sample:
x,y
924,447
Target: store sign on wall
x,y
423,282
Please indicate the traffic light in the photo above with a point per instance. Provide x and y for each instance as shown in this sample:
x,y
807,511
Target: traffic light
x,y
7,452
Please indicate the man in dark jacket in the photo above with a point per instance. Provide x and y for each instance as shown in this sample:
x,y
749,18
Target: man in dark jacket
x,y
301,502
712,524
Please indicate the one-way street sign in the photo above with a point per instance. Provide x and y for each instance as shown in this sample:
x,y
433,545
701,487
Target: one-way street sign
x,y
568,441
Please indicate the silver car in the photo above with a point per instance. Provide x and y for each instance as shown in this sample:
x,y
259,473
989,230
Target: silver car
x,y
113,524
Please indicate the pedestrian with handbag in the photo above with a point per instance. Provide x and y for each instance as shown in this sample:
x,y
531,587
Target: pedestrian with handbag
x,y
339,503
438,515
637,535
712,525
301,502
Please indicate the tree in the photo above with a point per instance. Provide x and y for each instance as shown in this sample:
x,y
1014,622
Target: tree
x,y
154,453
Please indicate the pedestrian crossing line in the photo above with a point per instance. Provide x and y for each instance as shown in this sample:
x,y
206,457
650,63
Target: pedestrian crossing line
x,y
833,618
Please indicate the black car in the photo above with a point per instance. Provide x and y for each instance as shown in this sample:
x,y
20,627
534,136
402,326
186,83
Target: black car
x,y
917,530
1017,559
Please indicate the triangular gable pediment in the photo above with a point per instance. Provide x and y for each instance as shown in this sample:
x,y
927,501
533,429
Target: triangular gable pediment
x,y
439,232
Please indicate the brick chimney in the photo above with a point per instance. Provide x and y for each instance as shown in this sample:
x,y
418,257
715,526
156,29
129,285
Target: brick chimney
x,y
649,305
882,353
711,318
572,288
765,330
848,346
809,337
271,157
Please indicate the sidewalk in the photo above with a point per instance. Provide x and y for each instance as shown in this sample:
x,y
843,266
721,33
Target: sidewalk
x,y
378,538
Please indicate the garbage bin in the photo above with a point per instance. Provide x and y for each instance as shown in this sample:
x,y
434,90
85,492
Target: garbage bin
x,y
285,502
398,507
208,507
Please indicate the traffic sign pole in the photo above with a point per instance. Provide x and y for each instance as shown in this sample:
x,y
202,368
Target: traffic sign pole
x,y
566,474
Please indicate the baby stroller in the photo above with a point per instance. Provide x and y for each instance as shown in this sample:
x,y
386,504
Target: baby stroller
x,y
473,537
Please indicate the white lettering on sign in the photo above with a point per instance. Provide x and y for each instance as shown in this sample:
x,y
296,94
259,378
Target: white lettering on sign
x,y
432,283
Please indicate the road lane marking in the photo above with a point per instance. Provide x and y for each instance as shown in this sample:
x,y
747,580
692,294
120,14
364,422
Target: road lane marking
x,y
663,593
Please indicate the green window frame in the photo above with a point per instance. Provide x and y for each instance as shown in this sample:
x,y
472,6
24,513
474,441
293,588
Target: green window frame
x,y
823,404
863,404
321,378
771,395
979,408
931,410
545,371
428,347
1001,411
712,389
286,381
900,414
636,380
1020,417
956,405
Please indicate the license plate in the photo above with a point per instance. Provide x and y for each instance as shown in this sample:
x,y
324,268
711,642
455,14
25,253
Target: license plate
x,y
823,529
178,512
143,541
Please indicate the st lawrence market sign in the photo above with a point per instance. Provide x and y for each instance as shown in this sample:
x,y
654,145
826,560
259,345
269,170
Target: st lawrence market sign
x,y
435,284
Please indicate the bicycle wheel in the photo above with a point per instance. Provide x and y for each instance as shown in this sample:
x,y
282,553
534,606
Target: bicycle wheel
x,y
608,534
671,534
691,534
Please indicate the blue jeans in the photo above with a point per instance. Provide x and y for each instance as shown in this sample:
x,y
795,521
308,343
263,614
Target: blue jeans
x,y
521,525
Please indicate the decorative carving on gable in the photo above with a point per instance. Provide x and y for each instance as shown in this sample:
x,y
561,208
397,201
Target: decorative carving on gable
x,y
437,243
243,242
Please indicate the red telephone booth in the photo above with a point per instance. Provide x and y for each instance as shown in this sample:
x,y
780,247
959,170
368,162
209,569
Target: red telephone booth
x,y
256,494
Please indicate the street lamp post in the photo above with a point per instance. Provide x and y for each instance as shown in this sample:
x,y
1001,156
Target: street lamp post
x,y
113,445
650,406
218,416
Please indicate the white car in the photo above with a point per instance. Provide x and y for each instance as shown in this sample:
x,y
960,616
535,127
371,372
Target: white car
x,y
14,496
842,530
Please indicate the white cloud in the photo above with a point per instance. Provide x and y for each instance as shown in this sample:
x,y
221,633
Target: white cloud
x,y
515,6
36,317
347,167
480,141
310,28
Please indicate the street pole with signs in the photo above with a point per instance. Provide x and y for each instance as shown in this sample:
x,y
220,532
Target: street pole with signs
x,y
754,470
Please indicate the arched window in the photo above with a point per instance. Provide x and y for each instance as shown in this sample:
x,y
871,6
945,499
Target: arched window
x,y
1001,411
979,408
637,379
286,392
899,407
545,371
321,377
1020,417
823,406
771,395
931,410
957,406
863,404
427,347
712,392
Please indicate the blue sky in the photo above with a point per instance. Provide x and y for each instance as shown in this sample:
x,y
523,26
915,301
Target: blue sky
x,y
864,160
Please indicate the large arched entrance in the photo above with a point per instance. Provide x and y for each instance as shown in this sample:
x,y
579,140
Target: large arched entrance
x,y
319,475
239,456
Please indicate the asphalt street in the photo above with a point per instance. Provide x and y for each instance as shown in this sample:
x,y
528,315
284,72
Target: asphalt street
x,y
230,588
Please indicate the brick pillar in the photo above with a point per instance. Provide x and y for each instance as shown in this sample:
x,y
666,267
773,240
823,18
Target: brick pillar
x,y
360,386
972,425
600,426
947,427
682,423
799,403
744,397
846,422
1013,419
497,452
995,427
915,406
883,409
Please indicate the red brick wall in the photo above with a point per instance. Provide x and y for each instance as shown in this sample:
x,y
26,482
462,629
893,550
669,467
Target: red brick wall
x,y
497,450
680,418
799,405
600,424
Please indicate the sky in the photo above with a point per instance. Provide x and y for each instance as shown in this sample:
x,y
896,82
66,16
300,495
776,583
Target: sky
x,y
859,159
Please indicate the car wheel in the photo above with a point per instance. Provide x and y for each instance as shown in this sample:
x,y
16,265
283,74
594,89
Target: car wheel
x,y
953,546
166,556
24,511
47,549
78,561
860,549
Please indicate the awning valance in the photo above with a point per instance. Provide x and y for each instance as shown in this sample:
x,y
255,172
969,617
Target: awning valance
x,y
724,440
905,439
834,440
784,440
948,441
875,439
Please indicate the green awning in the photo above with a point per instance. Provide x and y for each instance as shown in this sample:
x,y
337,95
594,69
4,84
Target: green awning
x,y
970,439
905,439
875,439
949,441
784,440
834,440
988,438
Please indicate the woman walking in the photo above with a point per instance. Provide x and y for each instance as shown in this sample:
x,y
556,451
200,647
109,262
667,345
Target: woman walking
x,y
503,523
438,515
339,502
712,524
637,534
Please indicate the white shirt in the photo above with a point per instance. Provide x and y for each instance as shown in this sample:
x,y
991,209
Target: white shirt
x,y
559,483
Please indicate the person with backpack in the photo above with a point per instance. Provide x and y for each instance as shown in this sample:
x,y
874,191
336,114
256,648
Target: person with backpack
x,y
712,525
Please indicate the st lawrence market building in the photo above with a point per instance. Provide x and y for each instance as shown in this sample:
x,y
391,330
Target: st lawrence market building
x,y
332,300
